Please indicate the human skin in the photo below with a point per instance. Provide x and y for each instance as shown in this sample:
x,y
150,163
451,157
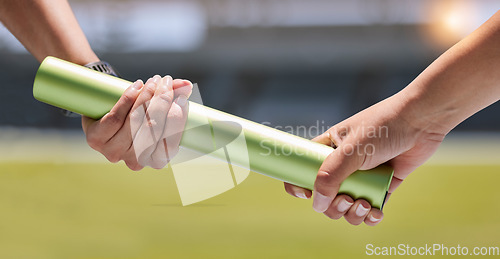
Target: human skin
x,y
49,28
462,81
142,128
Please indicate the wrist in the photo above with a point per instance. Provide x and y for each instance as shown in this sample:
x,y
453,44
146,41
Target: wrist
x,y
82,59
79,58
90,58
426,113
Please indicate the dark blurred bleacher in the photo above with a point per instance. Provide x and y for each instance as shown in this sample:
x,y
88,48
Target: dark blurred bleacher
x,y
285,75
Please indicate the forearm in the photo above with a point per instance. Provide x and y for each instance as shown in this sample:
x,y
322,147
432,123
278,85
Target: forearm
x,y
47,28
461,82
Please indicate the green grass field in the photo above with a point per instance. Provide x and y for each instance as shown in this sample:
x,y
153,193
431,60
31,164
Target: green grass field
x,y
50,210
59,199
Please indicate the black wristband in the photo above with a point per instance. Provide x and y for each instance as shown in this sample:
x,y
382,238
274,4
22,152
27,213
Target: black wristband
x,y
104,67
101,66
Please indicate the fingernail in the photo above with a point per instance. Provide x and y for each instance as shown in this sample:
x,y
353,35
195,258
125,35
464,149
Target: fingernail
x,y
186,82
167,80
156,79
361,211
373,219
137,85
299,193
344,205
321,202
150,81
181,100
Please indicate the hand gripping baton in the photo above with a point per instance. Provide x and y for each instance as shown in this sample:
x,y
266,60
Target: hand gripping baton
x,y
93,94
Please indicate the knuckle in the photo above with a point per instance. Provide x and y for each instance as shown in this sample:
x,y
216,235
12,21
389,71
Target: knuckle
x,y
143,161
159,163
339,133
113,157
137,168
137,115
150,88
166,97
175,115
326,180
335,217
112,118
353,221
156,112
134,166
323,176
128,99
94,141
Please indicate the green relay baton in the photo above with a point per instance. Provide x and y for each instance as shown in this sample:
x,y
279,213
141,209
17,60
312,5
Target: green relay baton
x,y
271,152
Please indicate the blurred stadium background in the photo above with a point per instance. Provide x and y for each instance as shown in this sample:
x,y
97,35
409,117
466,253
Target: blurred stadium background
x,y
287,62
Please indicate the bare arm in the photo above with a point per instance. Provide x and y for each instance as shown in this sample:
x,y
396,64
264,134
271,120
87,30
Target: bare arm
x,y
461,82
47,28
